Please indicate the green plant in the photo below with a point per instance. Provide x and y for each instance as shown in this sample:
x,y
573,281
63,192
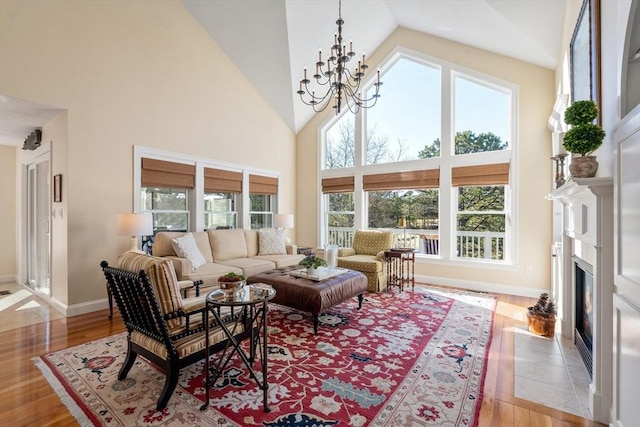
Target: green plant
x,y
584,136
312,261
232,277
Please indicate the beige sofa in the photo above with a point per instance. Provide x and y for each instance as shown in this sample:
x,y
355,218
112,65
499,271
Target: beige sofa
x,y
224,251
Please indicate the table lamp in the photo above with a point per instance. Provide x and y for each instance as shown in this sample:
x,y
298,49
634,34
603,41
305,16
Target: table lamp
x,y
402,222
283,221
134,225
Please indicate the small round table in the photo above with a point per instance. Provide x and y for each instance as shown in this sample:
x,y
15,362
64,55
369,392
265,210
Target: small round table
x,y
252,301
400,268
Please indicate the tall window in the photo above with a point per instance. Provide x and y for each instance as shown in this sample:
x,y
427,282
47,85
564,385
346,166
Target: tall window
x,y
421,156
261,210
339,217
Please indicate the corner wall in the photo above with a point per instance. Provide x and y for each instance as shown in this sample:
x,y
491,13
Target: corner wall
x,y
8,260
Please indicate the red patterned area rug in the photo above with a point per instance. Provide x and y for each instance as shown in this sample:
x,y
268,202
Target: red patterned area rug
x,y
414,358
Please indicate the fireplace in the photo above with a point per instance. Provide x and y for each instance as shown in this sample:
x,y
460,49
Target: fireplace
x,y
583,332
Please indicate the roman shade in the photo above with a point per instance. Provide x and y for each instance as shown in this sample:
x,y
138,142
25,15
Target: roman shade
x,y
222,181
494,174
161,173
419,179
343,184
263,184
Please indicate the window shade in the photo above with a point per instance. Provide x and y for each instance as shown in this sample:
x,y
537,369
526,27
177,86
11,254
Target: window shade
x,y
222,181
343,184
429,178
495,174
263,185
160,173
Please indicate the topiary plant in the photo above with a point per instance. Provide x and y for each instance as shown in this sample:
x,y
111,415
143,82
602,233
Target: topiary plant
x,y
584,136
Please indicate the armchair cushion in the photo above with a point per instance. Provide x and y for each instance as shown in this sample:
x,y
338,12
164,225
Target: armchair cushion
x,y
371,242
363,263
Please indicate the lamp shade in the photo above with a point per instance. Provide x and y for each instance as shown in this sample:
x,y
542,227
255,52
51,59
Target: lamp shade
x,y
135,224
283,221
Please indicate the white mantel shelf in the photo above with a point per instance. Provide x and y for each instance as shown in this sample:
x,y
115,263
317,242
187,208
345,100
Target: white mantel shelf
x,y
587,221
577,185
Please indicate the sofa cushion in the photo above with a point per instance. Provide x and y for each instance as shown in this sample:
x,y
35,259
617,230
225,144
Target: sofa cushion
x,y
209,273
227,244
163,245
250,266
271,242
281,260
186,247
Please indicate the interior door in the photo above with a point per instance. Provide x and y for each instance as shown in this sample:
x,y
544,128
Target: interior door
x,y
38,227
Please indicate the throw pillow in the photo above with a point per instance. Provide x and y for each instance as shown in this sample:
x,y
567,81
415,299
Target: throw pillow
x,y
186,247
271,242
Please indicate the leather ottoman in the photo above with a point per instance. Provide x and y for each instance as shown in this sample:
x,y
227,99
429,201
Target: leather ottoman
x,y
310,295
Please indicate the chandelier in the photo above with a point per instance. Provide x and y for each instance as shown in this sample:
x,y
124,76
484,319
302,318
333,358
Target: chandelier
x,y
343,86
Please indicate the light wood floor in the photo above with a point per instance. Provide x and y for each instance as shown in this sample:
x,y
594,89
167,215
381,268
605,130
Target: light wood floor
x,y
27,399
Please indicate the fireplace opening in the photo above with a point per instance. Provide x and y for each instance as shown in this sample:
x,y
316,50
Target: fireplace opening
x,y
583,333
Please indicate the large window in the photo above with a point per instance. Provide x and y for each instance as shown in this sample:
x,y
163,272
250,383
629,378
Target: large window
x,y
421,156
220,211
261,210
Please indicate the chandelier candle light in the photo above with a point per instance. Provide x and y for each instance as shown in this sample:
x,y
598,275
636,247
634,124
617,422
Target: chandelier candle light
x,y
343,85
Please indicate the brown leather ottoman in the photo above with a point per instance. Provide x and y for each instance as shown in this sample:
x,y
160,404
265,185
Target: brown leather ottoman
x,y
309,295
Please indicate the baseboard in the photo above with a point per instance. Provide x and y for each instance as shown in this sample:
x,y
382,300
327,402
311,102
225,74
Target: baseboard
x,y
481,286
77,309
9,278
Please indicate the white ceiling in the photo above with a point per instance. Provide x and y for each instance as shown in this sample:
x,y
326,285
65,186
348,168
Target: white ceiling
x,y
271,41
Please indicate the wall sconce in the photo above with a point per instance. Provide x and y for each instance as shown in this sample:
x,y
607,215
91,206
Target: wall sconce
x,y
134,225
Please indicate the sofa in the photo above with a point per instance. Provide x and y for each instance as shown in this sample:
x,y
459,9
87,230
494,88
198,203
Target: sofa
x,y
237,250
367,256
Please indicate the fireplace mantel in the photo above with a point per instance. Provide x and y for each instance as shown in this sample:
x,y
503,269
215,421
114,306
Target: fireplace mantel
x,y
587,233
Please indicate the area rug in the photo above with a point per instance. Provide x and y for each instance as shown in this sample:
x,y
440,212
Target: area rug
x,y
411,358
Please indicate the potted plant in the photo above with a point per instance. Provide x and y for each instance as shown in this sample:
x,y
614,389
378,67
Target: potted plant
x,y
311,262
583,138
231,281
541,317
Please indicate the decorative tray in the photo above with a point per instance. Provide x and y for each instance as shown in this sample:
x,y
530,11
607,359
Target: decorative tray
x,y
320,274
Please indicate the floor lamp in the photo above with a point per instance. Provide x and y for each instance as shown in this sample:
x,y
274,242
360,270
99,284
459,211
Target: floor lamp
x,y
134,225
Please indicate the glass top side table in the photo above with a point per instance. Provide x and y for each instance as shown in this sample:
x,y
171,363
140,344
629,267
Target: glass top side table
x,y
252,300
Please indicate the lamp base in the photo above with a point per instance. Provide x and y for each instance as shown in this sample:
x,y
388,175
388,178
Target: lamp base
x,y
134,246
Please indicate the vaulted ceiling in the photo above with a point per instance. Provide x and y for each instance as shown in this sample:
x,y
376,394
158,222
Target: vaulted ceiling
x,y
271,41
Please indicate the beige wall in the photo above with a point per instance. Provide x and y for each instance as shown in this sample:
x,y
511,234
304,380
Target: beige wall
x,y
8,232
130,73
536,99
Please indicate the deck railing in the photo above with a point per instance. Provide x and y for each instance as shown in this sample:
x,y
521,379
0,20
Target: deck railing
x,y
469,244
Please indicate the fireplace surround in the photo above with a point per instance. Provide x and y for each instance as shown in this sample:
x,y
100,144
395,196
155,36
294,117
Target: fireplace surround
x,y
586,243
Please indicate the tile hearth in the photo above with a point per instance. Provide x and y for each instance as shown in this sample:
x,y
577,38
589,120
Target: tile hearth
x,y
549,371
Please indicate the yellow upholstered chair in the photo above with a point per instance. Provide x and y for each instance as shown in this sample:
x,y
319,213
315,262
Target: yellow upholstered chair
x,y
162,326
367,256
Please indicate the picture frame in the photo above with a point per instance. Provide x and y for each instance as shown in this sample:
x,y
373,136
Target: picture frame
x,y
57,188
585,54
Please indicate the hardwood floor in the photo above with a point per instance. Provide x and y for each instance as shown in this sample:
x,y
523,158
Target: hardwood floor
x,y
27,399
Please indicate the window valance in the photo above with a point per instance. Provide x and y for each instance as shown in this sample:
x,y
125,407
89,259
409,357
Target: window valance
x,y
263,184
420,179
222,181
494,174
343,184
161,173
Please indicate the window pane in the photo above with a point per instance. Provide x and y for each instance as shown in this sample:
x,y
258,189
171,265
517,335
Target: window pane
x,y
261,211
418,207
340,219
170,221
481,117
406,119
168,207
340,143
481,222
219,211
